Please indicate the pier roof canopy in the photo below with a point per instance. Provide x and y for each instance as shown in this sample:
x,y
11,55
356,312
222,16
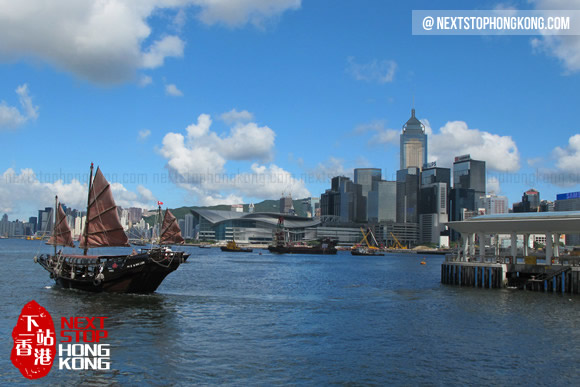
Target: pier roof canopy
x,y
521,223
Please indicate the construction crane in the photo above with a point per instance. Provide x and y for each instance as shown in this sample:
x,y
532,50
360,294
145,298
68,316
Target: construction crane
x,y
398,244
365,239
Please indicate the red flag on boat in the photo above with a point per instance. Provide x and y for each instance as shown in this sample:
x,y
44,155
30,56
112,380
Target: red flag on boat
x,y
159,203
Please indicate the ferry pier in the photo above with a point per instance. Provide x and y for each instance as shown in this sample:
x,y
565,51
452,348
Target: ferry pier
x,y
480,262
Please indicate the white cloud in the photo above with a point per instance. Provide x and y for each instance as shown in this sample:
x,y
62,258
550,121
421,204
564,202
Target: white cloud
x,y
145,80
562,167
493,186
144,135
217,199
234,116
249,141
565,48
197,162
11,117
234,13
107,41
499,152
145,194
330,168
376,71
568,158
534,161
173,91
386,136
25,192
427,125
381,135
169,46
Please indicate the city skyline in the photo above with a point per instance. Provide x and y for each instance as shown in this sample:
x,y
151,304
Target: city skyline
x,y
199,105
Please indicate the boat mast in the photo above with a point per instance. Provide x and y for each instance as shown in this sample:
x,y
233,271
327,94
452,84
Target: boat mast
x,y
86,232
159,225
55,215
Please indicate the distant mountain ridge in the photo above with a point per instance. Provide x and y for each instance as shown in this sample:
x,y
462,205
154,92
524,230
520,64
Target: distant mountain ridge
x,y
263,206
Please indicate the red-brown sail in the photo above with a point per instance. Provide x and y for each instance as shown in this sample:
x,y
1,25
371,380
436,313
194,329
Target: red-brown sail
x,y
61,235
170,231
103,224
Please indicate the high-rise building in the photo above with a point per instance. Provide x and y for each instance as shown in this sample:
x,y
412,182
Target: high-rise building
x,y
433,211
366,177
494,204
33,222
330,203
461,200
547,206
4,226
344,200
181,223
286,205
382,202
310,205
433,174
470,174
413,143
408,195
530,202
135,214
44,220
569,202
353,205
187,229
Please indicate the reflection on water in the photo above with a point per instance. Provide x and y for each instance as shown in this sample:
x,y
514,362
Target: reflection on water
x,y
269,319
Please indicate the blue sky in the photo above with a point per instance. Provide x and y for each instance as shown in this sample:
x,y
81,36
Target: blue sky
x,y
193,102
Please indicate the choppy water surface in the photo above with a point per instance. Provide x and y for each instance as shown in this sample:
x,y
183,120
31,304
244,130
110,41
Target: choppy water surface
x,y
246,318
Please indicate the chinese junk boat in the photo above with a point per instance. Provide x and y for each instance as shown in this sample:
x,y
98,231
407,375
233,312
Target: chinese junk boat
x,y
282,245
170,234
133,273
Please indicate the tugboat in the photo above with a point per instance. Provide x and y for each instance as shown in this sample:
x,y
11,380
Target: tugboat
x,y
282,245
133,273
233,247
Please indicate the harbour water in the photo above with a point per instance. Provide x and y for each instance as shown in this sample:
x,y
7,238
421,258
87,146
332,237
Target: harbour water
x,y
251,319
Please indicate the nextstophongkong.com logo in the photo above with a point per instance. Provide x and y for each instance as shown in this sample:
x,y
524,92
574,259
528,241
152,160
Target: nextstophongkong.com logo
x,y
34,351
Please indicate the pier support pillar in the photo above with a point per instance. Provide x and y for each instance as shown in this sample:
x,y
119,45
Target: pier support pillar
x,y
549,248
481,246
526,244
472,245
514,244
465,238
556,246
496,244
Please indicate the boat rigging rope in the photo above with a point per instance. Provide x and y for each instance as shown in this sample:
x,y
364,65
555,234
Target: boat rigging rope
x,y
162,265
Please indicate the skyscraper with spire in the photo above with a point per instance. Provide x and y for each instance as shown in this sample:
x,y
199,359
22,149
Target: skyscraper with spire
x,y
413,143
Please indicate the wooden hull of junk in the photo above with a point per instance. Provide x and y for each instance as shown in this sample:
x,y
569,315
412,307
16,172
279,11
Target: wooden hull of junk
x,y
302,250
138,273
